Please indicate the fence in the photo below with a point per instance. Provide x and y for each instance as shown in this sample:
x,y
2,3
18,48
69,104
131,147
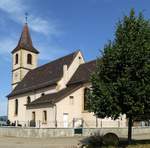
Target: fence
x,y
77,123
68,132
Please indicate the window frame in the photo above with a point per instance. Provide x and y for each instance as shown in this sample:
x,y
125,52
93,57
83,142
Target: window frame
x,y
33,116
85,108
44,117
28,99
16,107
29,58
16,58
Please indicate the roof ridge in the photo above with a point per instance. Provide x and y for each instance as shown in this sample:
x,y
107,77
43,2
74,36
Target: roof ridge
x,y
88,62
75,52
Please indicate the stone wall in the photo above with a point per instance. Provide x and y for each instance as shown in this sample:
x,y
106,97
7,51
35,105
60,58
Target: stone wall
x,y
35,132
66,132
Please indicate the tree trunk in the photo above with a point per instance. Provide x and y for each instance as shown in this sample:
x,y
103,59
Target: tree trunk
x,y
130,130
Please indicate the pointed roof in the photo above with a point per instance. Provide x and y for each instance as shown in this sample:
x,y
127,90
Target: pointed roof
x,y
25,41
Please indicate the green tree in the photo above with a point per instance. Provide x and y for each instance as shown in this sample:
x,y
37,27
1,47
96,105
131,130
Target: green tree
x,y
121,82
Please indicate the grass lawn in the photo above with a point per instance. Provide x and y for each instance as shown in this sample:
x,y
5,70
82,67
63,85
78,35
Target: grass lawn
x,y
139,144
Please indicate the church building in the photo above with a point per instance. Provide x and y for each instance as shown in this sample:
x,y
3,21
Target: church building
x,y
54,94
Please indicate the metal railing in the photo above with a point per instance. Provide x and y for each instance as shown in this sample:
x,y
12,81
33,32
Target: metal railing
x,y
100,123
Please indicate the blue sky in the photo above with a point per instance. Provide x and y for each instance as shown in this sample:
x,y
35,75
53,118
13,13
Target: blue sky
x,y
59,27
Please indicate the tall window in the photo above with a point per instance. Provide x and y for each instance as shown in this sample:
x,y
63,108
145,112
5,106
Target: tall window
x,y
28,100
33,116
16,58
44,116
85,98
29,59
16,107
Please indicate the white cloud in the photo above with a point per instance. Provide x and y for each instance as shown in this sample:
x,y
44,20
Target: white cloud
x,y
16,10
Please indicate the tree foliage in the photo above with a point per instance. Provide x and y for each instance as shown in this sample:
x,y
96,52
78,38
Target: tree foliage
x,y
121,82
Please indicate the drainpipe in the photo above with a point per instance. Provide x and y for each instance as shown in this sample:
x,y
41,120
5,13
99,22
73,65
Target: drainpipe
x,y
96,122
55,115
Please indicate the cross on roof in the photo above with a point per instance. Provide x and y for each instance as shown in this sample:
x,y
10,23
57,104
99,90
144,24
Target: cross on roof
x,y
26,17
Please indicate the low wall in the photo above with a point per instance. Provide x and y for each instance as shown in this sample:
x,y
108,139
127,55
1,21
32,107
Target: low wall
x,y
66,132
36,132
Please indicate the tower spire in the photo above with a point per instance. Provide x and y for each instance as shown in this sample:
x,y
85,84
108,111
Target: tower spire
x,y
25,41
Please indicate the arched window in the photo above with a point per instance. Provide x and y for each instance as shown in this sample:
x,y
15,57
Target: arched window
x,y
16,58
29,59
28,100
86,98
16,107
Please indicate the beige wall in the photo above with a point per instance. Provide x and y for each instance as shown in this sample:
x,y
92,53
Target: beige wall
x,y
21,69
69,71
76,110
22,58
22,100
72,107
40,116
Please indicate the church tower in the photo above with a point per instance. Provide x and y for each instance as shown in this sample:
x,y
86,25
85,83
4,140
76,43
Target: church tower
x,y
24,57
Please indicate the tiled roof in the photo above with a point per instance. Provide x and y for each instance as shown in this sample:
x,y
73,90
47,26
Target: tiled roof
x,y
51,99
25,41
83,73
46,75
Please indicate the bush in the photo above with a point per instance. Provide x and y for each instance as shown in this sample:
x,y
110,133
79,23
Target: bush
x,y
98,140
110,139
94,141
8,122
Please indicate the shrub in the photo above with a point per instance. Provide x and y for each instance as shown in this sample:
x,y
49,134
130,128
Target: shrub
x,y
94,141
110,139
8,122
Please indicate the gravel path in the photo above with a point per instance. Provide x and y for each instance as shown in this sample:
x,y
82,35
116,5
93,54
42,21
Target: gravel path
x,y
13,142
67,142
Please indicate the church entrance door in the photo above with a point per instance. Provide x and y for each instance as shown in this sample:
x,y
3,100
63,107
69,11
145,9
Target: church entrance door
x,y
65,119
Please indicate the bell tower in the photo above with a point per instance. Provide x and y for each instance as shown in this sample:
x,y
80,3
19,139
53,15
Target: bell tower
x,y
24,57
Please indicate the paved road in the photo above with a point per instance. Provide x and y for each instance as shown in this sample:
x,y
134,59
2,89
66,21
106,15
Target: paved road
x,y
12,142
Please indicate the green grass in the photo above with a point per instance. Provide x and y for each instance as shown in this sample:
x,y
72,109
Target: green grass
x,y
136,144
139,146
